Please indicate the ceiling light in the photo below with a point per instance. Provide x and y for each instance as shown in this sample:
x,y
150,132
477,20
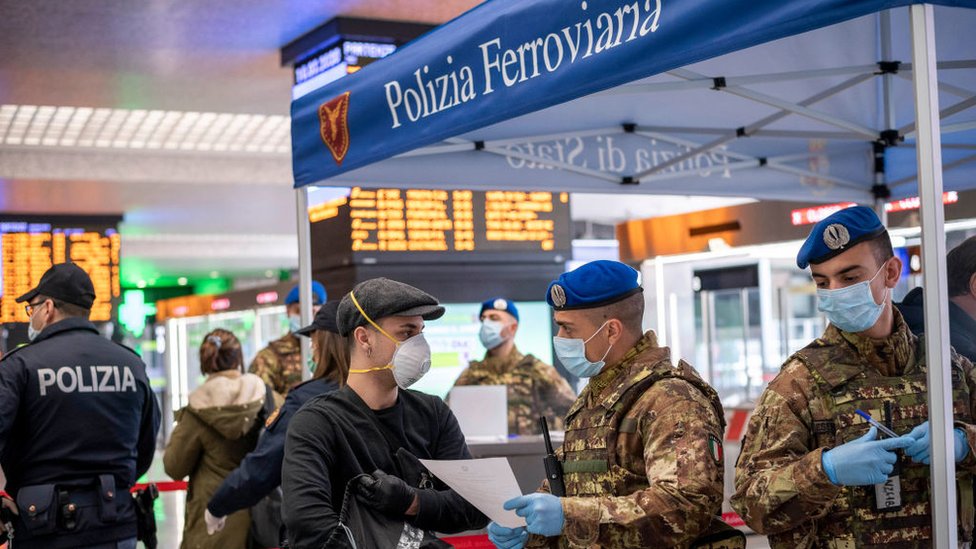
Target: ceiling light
x,y
49,126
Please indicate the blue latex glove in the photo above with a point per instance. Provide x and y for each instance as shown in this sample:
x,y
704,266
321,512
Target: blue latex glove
x,y
863,461
920,450
507,538
543,513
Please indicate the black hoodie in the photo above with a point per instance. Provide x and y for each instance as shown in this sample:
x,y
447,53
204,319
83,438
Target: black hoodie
x,y
962,327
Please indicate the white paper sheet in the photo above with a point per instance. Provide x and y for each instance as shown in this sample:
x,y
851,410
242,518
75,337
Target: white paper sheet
x,y
481,411
485,483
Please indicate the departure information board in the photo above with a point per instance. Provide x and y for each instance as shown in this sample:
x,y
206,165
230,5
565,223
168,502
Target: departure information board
x,y
421,224
31,244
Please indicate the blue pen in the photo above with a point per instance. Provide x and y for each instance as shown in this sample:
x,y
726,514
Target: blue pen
x,y
867,417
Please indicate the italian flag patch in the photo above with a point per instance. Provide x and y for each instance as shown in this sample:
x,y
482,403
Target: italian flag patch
x,y
715,448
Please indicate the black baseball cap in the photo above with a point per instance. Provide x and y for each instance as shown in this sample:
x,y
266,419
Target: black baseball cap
x,y
324,320
65,282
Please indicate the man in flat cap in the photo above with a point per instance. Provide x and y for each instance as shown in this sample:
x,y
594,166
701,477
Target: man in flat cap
x,y
78,423
642,458
375,426
534,387
280,363
813,472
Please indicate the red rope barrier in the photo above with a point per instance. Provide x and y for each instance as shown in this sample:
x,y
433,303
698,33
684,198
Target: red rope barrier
x,y
164,486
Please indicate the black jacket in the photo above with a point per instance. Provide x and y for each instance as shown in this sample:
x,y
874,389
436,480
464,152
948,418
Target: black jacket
x,y
331,440
962,327
73,407
260,472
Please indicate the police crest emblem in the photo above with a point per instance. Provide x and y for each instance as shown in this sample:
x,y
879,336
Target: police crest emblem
x,y
334,126
836,236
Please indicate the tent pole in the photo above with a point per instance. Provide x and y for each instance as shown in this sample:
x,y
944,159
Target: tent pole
x,y
942,483
304,272
886,79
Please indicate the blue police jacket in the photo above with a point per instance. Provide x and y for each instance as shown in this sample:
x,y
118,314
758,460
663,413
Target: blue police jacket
x,y
260,472
76,413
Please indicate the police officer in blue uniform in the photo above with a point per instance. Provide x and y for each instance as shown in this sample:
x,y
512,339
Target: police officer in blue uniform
x,y
259,475
78,423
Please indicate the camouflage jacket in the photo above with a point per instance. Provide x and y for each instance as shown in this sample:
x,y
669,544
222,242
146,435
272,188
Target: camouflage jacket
x,y
534,389
279,364
664,479
781,487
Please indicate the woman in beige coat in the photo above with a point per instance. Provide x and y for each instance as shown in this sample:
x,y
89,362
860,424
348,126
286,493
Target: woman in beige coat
x,y
213,433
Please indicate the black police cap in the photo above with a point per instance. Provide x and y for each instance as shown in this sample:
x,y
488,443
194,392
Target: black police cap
x,y
65,282
324,320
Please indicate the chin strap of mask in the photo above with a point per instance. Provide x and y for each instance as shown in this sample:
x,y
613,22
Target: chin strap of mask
x,y
381,330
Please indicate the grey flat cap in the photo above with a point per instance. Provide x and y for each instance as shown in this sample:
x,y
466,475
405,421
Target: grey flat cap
x,y
382,297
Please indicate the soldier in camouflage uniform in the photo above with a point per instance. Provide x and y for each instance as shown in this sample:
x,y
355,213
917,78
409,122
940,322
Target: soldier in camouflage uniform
x,y
534,387
642,457
280,363
808,475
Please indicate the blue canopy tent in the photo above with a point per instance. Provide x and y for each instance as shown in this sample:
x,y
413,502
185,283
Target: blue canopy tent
x,y
818,100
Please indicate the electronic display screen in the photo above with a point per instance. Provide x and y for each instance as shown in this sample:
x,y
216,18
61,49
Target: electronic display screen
x,y
31,244
454,342
407,225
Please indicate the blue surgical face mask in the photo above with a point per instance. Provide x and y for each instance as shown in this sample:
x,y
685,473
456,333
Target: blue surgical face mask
x,y
852,309
491,333
294,323
572,355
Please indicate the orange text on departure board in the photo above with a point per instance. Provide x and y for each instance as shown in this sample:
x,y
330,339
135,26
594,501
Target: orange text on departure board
x,y
28,250
385,220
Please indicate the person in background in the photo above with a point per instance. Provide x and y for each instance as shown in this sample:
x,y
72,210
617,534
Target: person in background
x,y
280,363
367,424
213,433
534,387
813,472
961,277
260,473
642,459
78,423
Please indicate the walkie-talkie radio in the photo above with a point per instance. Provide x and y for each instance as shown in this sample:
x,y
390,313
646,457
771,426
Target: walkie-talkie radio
x,y
554,469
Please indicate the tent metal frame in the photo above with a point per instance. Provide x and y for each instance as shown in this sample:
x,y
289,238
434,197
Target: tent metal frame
x,y
927,131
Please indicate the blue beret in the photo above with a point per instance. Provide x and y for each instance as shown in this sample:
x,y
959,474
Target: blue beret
x,y
837,232
500,304
595,284
318,294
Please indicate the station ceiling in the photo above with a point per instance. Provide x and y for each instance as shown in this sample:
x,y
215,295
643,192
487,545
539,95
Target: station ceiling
x,y
114,68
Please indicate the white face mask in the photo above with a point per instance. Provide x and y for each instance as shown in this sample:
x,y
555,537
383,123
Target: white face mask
x,y
491,333
32,332
411,360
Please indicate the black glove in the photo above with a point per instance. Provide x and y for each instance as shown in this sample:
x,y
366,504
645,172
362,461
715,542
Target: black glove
x,y
386,493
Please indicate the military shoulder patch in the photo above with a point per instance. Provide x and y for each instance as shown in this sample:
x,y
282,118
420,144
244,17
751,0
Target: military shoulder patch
x,y
715,449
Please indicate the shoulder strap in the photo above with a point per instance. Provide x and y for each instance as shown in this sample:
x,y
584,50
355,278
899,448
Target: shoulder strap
x,y
269,405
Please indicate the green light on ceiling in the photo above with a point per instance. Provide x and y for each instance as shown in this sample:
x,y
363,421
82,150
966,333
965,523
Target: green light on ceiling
x,y
212,286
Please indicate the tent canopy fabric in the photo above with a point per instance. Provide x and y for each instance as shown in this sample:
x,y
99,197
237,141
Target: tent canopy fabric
x,y
770,99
